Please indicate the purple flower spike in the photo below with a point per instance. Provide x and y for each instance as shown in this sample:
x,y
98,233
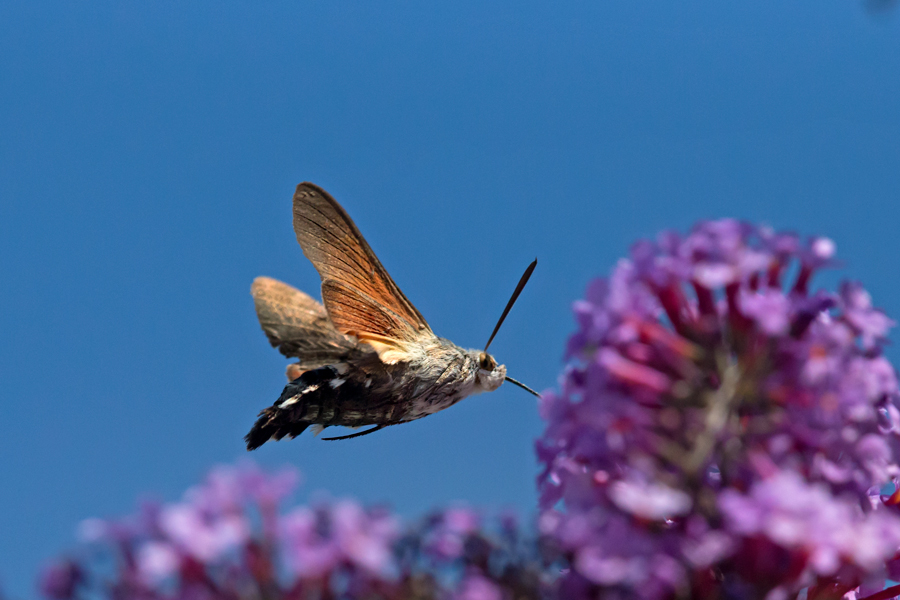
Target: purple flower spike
x,y
718,415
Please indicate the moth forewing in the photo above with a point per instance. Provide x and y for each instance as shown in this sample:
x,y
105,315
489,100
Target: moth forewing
x,y
340,254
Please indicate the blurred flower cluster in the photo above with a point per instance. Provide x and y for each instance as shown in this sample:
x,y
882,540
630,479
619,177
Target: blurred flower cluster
x,y
230,538
723,431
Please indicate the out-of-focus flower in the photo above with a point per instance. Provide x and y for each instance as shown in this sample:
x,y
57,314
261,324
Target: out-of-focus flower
x,y
321,539
478,587
717,414
449,531
157,561
226,539
204,536
60,580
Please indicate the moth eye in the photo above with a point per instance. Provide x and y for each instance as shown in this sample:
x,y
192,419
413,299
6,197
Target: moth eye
x,y
486,362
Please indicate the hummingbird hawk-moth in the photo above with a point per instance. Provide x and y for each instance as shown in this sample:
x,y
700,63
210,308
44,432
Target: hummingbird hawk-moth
x,y
366,355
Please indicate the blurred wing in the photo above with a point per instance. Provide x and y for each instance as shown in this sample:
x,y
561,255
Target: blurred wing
x,y
361,298
297,325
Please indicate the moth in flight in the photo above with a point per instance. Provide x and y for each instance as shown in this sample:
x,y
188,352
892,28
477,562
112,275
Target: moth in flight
x,y
366,355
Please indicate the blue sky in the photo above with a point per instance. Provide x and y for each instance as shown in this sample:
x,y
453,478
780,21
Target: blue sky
x,y
149,151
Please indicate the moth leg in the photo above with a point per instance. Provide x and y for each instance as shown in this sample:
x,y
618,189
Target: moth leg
x,y
355,435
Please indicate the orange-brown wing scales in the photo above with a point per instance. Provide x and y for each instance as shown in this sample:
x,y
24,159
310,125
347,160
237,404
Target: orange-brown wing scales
x,y
357,314
351,270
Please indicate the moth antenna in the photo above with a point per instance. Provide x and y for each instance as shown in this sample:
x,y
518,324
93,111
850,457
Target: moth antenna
x,y
522,385
525,276
354,435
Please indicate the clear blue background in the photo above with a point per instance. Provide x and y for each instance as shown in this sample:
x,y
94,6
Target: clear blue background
x,y
149,151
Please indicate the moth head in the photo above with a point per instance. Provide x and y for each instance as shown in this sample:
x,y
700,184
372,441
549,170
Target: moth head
x,y
489,375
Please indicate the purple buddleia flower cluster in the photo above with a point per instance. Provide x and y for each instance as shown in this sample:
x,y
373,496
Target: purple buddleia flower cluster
x,y
722,430
230,538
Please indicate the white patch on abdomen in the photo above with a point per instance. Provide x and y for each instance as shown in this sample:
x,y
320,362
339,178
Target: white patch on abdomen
x,y
294,399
